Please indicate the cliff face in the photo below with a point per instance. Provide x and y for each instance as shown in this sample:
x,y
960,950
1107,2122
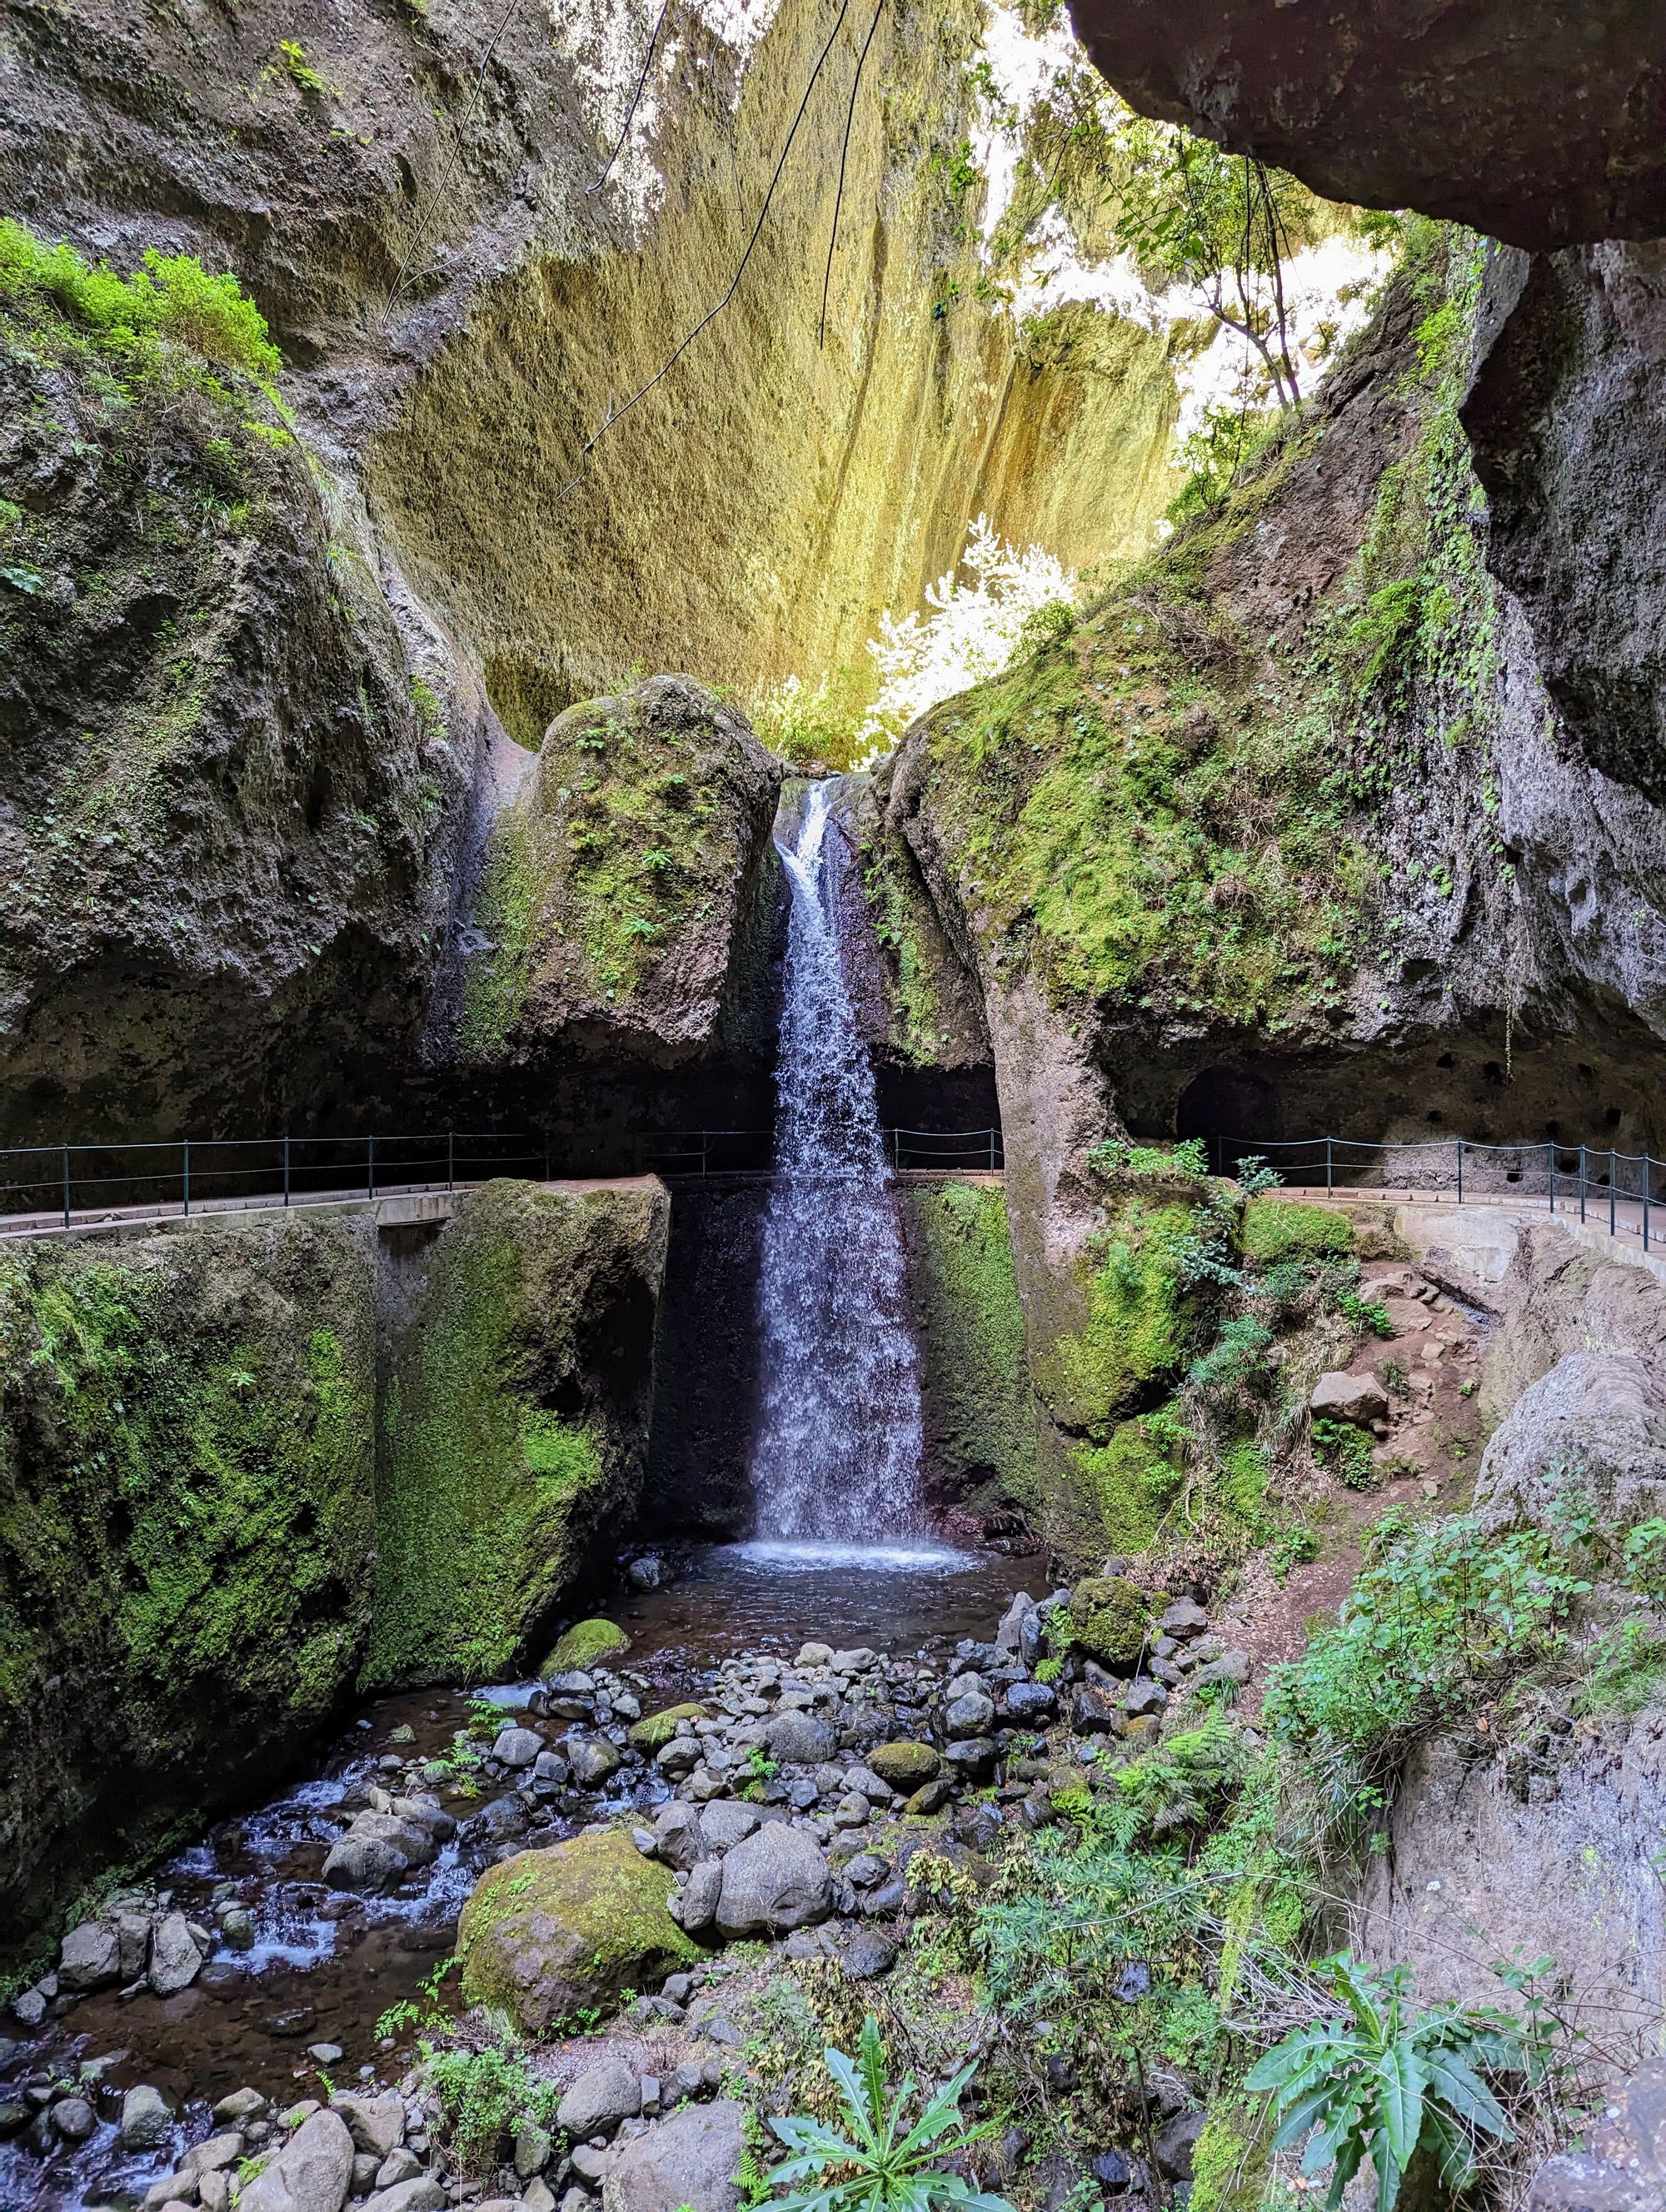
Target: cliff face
x,y
1342,815
285,696
1536,123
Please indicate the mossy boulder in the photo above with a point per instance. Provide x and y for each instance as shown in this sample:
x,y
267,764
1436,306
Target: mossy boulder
x,y
1284,1229
187,1460
905,1767
583,1644
515,1422
1108,1619
1127,1484
655,1732
547,1933
621,886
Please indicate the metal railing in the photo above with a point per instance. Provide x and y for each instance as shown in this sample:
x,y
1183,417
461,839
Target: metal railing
x,y
217,1175
45,1186
750,1151
1580,1181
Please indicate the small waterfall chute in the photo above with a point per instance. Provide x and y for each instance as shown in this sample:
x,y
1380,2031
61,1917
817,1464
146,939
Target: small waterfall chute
x,y
837,1456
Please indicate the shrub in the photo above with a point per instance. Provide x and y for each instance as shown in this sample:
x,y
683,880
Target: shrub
x,y
1235,1355
1442,1611
1344,1451
171,294
485,2095
1283,1229
1370,1314
1376,2083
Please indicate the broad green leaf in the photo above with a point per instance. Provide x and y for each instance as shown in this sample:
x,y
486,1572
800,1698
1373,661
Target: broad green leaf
x,y
1469,2096
1401,2076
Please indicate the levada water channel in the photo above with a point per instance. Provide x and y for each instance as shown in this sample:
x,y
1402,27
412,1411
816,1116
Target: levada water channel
x,y
297,1981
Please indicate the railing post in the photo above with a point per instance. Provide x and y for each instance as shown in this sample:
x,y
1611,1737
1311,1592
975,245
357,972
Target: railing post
x,y
1581,1185
1611,1192
546,1152
370,1167
1647,1164
66,1186
705,1153
451,1159
1550,1173
185,1175
991,1151
1460,1143
896,1151
286,1171
1328,1167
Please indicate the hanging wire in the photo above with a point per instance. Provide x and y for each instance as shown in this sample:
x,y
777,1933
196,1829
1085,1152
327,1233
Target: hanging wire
x,y
711,312
844,153
439,192
635,102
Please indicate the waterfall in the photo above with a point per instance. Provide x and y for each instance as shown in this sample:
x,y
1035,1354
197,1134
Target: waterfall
x,y
837,1457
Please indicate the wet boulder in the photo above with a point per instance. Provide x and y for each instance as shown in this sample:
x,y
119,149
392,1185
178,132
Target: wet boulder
x,y
774,1880
593,1759
798,1739
91,1957
175,1960
904,1767
653,1734
517,1746
1339,1396
146,2122
1107,1619
379,1850
377,2124
583,1644
547,1932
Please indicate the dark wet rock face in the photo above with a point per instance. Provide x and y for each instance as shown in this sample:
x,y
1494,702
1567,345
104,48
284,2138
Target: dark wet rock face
x,y
1537,123
1564,418
223,789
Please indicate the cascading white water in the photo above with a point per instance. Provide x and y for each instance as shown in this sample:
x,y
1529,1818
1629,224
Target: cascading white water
x,y
837,1457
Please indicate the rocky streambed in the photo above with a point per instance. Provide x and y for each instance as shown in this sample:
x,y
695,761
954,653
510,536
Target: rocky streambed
x,y
246,2029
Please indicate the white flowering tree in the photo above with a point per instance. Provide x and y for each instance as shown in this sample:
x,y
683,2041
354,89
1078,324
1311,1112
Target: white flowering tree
x,y
974,619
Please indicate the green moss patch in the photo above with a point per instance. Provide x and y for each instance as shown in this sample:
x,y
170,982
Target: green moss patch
x,y
970,1328
586,1642
548,1933
1283,1229
655,1730
186,1535
503,1441
1108,1618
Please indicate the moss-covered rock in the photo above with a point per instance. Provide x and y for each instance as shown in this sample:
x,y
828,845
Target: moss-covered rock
x,y
584,1642
514,1420
1284,1229
622,888
220,794
1127,1484
655,1730
1108,1620
186,1529
905,1767
546,1933
980,1437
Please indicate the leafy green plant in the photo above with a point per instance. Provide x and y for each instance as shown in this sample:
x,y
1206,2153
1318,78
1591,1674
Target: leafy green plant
x,y
1345,1451
881,2165
483,2096
293,55
1048,1670
1644,1558
1253,1175
1370,1314
1441,1611
1115,1157
1379,2080
1237,1355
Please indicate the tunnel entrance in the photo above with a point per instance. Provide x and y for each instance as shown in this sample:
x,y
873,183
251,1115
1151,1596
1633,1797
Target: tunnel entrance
x,y
1233,1111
